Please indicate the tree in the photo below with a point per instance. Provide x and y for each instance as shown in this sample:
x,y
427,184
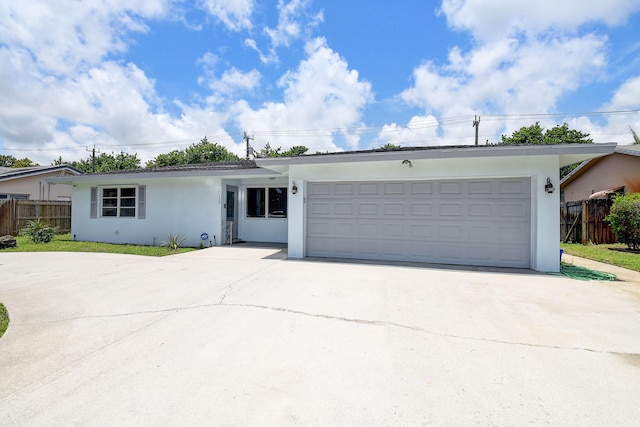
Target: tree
x,y
107,162
389,147
624,218
9,161
199,152
559,134
535,134
296,150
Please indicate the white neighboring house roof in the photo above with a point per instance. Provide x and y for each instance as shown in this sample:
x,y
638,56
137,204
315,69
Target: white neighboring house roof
x,y
7,174
631,150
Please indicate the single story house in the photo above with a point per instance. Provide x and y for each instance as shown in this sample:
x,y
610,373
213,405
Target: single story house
x,y
468,205
30,183
600,176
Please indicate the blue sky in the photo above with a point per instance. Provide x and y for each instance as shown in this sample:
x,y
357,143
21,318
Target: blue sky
x,y
151,77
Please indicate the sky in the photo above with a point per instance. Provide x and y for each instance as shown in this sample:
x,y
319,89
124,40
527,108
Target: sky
x,y
152,76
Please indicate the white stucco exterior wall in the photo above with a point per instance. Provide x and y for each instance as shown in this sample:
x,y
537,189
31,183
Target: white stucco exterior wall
x,y
273,230
185,206
545,221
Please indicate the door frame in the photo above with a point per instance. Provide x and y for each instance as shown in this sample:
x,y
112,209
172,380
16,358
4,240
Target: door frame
x,y
231,191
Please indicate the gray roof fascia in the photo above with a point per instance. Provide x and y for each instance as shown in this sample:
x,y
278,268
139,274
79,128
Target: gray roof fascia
x,y
565,151
632,150
112,177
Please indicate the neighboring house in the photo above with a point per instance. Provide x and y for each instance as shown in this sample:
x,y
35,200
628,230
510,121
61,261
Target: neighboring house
x,y
617,172
31,183
469,205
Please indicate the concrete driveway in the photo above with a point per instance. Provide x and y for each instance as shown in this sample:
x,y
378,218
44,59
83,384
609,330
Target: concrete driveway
x,y
241,336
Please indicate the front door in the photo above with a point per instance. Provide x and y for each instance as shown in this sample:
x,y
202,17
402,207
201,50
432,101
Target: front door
x,y
232,214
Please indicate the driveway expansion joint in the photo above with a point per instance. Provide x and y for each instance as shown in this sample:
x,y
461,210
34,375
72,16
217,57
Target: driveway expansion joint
x,y
337,318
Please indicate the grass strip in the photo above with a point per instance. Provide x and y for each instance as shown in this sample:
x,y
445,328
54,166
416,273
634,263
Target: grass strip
x,y
4,319
64,243
614,254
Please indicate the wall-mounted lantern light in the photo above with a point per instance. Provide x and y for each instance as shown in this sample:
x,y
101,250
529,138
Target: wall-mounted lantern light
x,y
407,162
294,188
549,186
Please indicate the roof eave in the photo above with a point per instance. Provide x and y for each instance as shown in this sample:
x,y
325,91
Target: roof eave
x,y
567,153
236,173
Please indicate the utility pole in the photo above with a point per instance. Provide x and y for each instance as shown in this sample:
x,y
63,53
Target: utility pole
x,y
476,124
93,156
246,139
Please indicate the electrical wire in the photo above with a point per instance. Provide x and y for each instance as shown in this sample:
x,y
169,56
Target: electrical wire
x,y
417,124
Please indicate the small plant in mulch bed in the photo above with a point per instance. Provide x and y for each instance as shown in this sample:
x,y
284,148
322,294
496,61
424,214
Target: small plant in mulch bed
x,y
173,242
39,231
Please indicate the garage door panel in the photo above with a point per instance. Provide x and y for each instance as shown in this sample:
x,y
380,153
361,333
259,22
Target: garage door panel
x,y
421,188
394,209
475,222
421,209
450,209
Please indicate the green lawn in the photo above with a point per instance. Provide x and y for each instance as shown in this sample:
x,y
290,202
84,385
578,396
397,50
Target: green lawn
x,y
615,254
4,319
63,243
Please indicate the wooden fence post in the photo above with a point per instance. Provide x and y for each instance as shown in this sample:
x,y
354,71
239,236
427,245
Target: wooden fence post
x,y
585,223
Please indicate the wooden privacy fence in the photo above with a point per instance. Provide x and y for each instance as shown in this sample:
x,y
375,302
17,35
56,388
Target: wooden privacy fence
x,y
583,222
14,215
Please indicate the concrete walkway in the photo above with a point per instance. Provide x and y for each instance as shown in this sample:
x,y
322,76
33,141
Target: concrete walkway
x,y
628,280
242,336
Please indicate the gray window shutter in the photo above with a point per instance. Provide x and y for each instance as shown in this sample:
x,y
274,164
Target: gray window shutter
x,y
142,201
94,202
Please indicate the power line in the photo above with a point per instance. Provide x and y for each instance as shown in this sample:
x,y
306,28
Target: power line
x,y
417,124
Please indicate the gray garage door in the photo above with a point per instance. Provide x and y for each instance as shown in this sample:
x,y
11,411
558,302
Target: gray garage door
x,y
468,222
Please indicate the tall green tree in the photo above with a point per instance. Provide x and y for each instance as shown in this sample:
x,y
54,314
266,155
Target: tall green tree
x,y
560,134
9,161
267,151
199,152
535,134
107,162
389,147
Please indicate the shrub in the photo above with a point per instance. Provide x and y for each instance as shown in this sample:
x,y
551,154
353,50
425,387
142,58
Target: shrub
x,y
39,231
174,242
624,218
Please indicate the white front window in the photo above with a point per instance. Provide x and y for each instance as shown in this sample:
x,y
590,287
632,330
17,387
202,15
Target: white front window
x,y
118,202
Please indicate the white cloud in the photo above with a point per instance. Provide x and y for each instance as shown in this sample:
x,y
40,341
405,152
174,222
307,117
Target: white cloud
x,y
294,22
271,57
66,34
490,20
234,14
421,130
109,105
616,129
322,95
234,80
506,76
